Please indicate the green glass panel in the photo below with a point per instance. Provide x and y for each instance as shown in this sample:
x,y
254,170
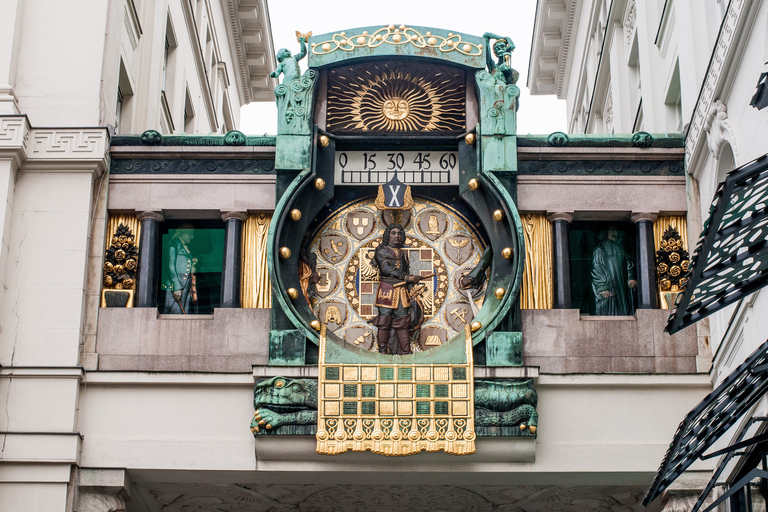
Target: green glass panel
x,y
404,373
369,390
422,408
422,390
459,374
441,390
350,407
332,373
369,407
441,407
191,250
387,374
350,390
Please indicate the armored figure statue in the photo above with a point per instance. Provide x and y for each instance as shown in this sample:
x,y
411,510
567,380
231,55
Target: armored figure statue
x,y
392,297
613,276
498,93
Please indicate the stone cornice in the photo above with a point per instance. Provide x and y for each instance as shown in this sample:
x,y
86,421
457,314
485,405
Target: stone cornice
x,y
250,36
733,31
14,138
551,46
44,149
68,149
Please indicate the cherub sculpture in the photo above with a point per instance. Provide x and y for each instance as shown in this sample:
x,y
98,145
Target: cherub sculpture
x,y
288,65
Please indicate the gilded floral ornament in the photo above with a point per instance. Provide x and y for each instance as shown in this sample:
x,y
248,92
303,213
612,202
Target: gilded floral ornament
x,y
121,260
671,261
397,35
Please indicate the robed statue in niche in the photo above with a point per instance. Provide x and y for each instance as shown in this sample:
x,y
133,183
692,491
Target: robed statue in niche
x,y
399,312
613,276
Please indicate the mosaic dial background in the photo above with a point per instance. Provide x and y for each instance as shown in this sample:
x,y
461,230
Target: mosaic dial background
x,y
349,282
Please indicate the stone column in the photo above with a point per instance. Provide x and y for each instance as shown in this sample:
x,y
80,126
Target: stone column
x,y
561,256
230,273
647,290
148,278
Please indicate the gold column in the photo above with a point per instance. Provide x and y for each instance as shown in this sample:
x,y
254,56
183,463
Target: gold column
x,y
256,288
537,288
130,220
676,221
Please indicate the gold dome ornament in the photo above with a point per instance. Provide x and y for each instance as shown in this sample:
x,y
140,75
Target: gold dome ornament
x,y
469,138
296,214
293,293
324,141
319,184
285,253
498,215
475,326
499,293
473,184
506,253
315,324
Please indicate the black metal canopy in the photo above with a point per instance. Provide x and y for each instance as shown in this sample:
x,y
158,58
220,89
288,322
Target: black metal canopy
x,y
711,418
731,258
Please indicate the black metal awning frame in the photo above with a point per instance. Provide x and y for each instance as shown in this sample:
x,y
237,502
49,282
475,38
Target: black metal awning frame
x,y
712,418
731,257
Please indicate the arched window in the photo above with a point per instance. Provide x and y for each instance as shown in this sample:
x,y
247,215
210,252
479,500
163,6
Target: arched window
x,y
726,162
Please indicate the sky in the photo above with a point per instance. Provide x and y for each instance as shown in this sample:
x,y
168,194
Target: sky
x,y
513,18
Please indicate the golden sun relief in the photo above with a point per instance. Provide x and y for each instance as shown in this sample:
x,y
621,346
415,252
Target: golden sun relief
x,y
396,98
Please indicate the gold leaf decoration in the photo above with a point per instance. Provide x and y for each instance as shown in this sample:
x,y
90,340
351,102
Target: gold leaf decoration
x,y
399,97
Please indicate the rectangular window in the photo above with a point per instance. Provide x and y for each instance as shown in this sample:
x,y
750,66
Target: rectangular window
x,y
192,262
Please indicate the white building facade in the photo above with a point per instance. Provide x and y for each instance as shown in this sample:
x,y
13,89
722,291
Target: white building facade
x,y
72,74
675,66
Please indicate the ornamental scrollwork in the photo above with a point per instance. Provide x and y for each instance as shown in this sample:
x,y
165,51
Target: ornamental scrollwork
x,y
397,35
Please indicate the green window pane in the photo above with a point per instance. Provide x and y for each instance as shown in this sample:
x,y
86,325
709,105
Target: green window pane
x,y
404,373
459,374
350,407
422,390
369,390
387,374
332,373
422,408
441,390
350,390
441,407
369,407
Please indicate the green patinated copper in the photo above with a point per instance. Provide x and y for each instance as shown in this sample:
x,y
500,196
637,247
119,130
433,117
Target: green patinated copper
x,y
154,138
413,41
621,140
289,407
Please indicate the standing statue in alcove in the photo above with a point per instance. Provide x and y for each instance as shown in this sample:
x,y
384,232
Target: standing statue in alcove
x,y
182,283
613,276
294,94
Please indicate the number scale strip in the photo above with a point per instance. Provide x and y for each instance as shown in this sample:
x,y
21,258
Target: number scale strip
x,y
412,167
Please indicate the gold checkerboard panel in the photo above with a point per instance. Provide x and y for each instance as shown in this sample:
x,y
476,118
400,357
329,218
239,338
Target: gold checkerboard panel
x,y
396,409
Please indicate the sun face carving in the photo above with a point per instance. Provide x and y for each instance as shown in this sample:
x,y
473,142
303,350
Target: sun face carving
x,y
395,109
396,98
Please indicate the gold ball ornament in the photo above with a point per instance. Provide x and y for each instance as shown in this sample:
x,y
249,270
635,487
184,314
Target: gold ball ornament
x,y
285,253
469,138
397,38
466,48
361,40
498,215
475,326
473,184
431,41
324,141
319,184
293,293
499,293
326,47
532,428
522,426
315,324
295,214
506,253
